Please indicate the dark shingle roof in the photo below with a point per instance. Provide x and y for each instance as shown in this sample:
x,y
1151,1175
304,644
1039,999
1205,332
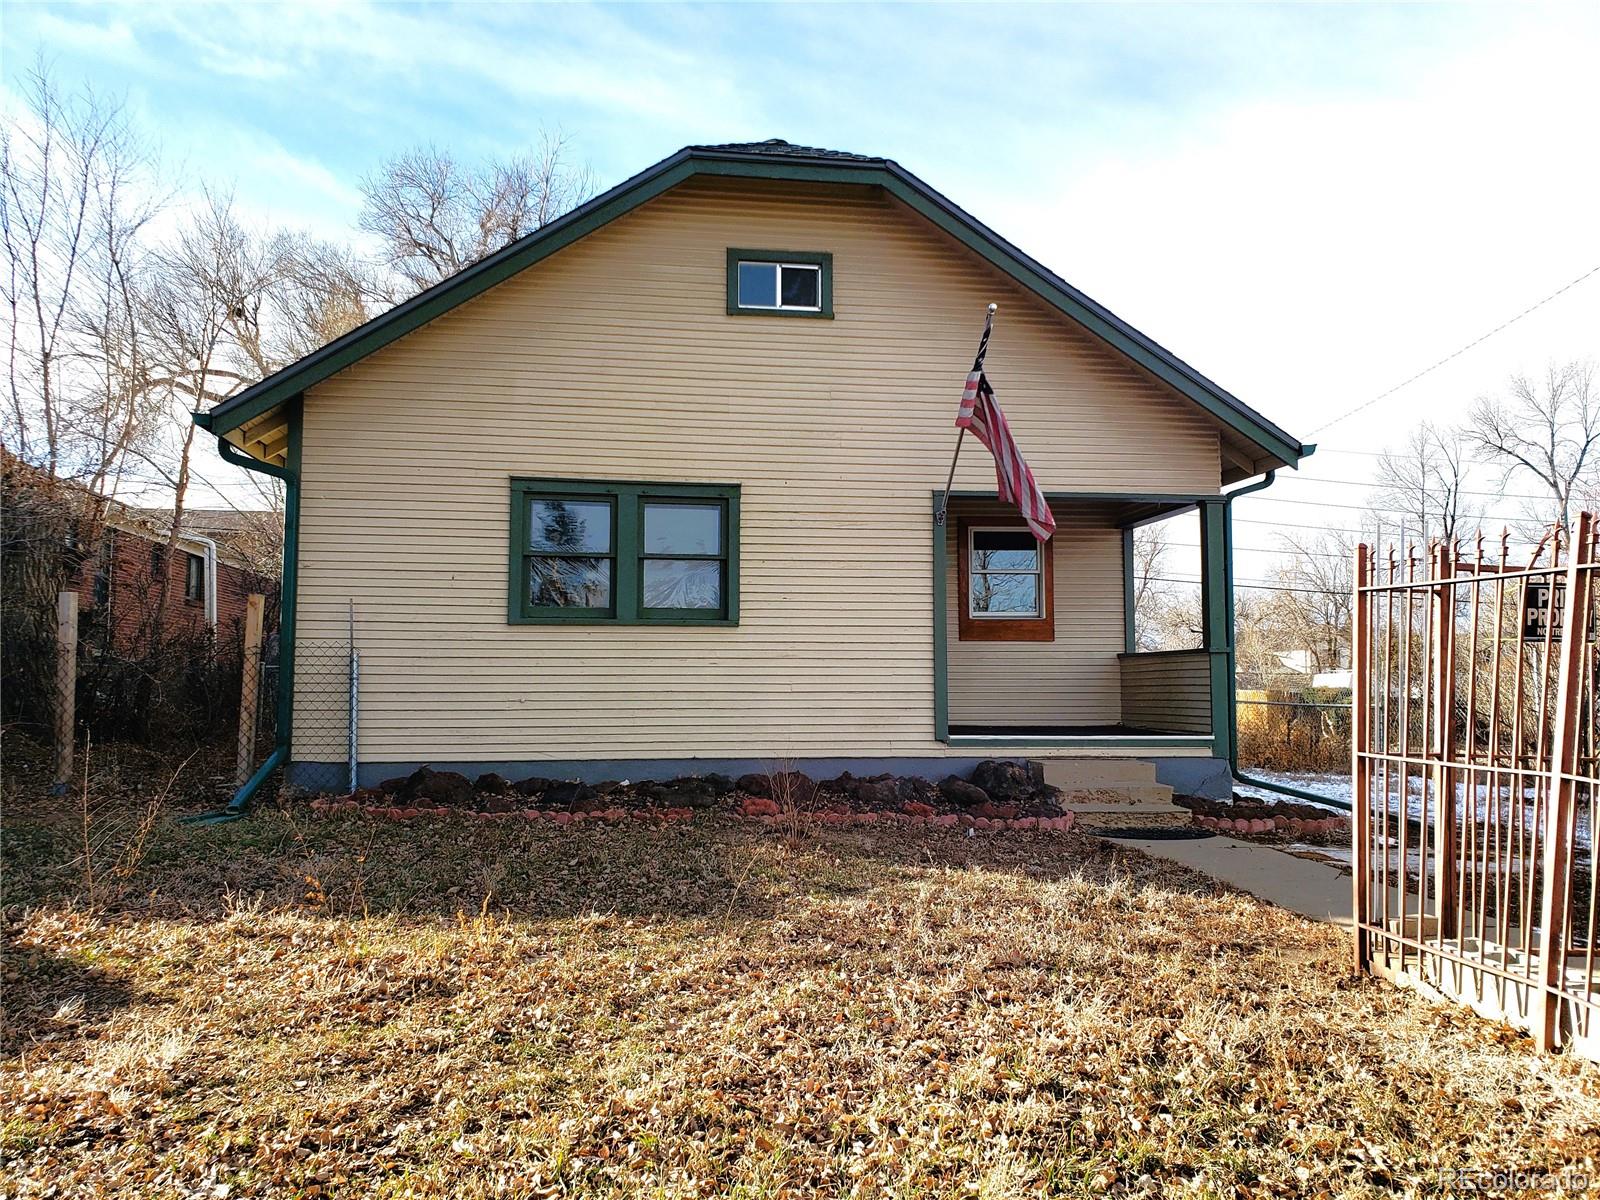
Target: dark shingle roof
x,y
778,148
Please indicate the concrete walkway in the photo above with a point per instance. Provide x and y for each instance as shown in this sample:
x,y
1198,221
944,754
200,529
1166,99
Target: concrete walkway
x,y
1312,889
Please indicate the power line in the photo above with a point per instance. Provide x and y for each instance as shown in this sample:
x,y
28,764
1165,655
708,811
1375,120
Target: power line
x,y
1457,354
1373,508
1260,586
1358,483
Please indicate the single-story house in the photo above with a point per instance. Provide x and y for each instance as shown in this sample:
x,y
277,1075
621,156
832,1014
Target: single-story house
x,y
654,490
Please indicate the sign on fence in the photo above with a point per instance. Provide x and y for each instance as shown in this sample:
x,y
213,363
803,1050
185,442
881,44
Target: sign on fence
x,y
1543,604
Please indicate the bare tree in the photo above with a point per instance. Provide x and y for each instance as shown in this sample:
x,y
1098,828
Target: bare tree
x,y
1310,613
1166,616
1546,429
1424,482
324,290
434,216
72,205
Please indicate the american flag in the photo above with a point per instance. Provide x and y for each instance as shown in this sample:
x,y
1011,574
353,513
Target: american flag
x,y
981,414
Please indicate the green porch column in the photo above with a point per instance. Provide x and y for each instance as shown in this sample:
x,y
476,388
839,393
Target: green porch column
x,y
1216,558
1130,627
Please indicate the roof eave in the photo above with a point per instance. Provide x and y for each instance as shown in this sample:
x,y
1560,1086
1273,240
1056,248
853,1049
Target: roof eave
x,y
294,379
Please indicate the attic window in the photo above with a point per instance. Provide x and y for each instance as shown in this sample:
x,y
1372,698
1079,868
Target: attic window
x,y
780,283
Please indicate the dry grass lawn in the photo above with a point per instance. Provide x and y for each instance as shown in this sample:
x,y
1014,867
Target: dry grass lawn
x,y
282,1007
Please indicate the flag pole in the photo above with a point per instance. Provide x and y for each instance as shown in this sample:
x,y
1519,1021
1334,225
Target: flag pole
x,y
949,482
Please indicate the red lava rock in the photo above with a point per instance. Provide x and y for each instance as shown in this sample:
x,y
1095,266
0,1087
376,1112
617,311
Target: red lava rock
x,y
759,806
915,808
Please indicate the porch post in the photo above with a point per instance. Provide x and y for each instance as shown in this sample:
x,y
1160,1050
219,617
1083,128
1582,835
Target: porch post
x,y
1130,628
941,660
1216,617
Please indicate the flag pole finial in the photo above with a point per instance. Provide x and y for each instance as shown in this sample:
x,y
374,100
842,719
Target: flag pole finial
x,y
993,308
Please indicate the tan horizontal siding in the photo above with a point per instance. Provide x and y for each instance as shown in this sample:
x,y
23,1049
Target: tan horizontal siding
x,y
1169,692
615,359
1073,680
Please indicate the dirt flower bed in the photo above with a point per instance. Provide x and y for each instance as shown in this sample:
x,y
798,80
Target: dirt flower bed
x,y
339,1007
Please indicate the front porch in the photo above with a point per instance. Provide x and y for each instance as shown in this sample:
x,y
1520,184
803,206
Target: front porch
x,y
1035,647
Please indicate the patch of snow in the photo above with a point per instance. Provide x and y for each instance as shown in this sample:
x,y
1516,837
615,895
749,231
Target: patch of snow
x,y
1331,784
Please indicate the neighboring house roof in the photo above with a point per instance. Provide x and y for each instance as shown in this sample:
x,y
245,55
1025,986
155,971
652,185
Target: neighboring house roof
x,y
245,536
775,159
228,528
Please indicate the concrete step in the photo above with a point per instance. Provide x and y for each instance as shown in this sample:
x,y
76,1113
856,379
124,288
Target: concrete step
x,y
1086,774
1144,798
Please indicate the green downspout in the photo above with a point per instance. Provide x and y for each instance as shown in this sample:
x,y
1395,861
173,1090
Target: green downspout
x,y
287,603
1232,647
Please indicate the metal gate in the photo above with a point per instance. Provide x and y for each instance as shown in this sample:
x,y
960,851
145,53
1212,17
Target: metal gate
x,y
1474,779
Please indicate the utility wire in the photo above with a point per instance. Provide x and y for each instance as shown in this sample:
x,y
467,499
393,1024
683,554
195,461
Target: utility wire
x,y
1458,353
1257,586
1360,483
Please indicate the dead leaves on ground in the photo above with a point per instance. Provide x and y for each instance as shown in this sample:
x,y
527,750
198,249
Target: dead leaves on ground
x,y
593,1013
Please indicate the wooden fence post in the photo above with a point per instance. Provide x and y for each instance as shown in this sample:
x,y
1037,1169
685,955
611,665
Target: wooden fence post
x,y
1555,918
1446,848
66,684
1360,770
249,689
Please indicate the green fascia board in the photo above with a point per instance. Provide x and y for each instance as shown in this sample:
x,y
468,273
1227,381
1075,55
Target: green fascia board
x,y
691,161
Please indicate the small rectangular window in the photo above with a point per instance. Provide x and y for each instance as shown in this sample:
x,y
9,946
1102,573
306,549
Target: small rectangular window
x,y
780,283
1005,574
1005,580
624,552
194,577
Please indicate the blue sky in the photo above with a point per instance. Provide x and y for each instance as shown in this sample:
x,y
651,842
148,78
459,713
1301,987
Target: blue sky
x,y
1309,203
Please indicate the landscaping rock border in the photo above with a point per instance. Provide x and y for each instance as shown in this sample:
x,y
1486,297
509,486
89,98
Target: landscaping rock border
x,y
1014,800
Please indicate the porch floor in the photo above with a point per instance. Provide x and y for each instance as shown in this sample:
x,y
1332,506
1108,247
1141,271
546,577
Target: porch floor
x,y
1058,731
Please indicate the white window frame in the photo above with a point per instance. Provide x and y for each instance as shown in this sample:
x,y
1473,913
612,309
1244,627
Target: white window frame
x,y
779,266
973,572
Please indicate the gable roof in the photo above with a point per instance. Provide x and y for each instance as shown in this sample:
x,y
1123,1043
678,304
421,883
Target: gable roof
x,y
773,159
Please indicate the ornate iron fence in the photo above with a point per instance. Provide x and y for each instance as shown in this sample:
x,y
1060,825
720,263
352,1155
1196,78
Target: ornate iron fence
x,y
1474,767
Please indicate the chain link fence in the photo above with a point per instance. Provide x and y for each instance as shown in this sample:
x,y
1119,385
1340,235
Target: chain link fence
x,y
1295,729
325,710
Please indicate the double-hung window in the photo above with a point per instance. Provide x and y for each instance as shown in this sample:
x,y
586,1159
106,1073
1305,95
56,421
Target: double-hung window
x,y
625,553
783,283
1006,587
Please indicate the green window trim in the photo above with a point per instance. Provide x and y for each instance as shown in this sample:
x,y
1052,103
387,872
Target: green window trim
x,y
627,553
807,258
